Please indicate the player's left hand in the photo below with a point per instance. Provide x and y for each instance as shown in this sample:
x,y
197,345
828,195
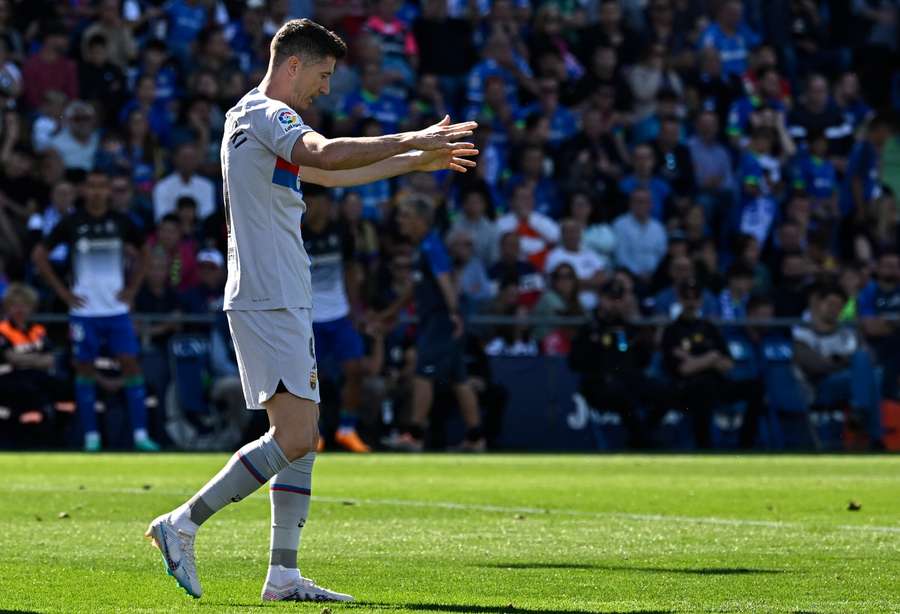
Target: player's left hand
x,y
446,159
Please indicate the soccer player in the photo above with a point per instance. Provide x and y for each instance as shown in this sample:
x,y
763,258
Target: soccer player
x,y
99,240
331,249
439,342
266,152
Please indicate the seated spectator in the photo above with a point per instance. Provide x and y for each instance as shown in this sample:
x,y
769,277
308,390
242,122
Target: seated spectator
x,y
674,164
696,359
469,273
792,285
598,236
511,339
747,252
817,114
500,59
835,366
640,239
667,301
184,182
644,177
209,293
588,266
734,298
546,196
122,48
753,111
538,233
62,203
50,69
848,99
371,101
882,233
611,356
647,79
475,221
760,176
511,266
154,109
180,251
862,181
709,90
559,300
731,37
157,296
881,297
563,123
28,379
79,138
47,121
401,52
816,175
101,82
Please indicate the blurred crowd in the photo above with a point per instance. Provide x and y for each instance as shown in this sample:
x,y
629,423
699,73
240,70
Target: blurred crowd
x,y
689,159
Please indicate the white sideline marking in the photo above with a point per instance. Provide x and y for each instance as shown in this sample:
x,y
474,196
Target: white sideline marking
x,y
503,509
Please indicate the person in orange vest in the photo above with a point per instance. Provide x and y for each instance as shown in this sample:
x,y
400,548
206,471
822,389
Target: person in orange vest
x,y
28,384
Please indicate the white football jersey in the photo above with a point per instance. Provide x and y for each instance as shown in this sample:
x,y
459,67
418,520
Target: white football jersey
x,y
268,268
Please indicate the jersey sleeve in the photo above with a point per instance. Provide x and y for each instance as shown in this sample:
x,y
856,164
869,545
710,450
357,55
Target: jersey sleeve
x,y
278,128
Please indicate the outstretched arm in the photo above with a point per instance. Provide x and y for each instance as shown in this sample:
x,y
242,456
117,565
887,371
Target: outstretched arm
x,y
313,149
436,160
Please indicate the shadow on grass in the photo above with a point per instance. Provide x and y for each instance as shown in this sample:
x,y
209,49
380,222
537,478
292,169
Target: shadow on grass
x,y
488,609
698,571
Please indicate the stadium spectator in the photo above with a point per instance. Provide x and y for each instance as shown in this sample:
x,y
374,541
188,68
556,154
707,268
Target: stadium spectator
x,y
29,381
185,181
696,359
186,19
532,172
514,338
470,275
734,298
50,69
644,177
729,35
674,163
181,252
818,114
475,221
881,297
589,268
640,239
667,302
537,232
511,267
598,235
112,29
561,299
862,181
79,138
835,365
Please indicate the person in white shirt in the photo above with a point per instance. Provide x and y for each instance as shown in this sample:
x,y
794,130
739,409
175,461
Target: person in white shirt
x,y
537,232
184,182
77,142
640,240
588,266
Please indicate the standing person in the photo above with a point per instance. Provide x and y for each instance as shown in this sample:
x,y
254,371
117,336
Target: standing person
x,y
99,240
266,151
439,343
335,287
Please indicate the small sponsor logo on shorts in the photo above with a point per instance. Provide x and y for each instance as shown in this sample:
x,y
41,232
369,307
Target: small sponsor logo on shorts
x,y
313,379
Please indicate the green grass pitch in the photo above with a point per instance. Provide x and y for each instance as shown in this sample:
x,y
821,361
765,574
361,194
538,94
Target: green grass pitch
x,y
487,534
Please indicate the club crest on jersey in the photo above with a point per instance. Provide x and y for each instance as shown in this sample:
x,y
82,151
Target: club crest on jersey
x,y
288,119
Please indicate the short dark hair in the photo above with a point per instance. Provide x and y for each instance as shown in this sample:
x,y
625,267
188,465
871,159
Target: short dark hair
x,y
306,39
826,288
170,218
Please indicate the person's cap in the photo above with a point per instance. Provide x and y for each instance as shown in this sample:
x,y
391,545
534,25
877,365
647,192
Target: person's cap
x,y
210,256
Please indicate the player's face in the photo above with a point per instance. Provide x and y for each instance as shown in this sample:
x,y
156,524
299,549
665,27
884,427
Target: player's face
x,y
311,81
96,190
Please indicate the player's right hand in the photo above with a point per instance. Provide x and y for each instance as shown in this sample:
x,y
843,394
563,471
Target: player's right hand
x,y
442,135
73,300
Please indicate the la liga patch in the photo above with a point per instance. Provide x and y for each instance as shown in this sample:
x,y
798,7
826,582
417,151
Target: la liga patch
x,y
288,119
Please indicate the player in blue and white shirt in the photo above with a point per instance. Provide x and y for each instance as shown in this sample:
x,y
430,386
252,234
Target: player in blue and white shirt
x,y
100,242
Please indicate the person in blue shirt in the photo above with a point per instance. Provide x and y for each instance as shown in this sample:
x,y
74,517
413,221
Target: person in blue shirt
x,y
745,112
815,175
371,101
439,343
759,175
563,122
501,60
881,297
546,195
862,180
643,177
186,18
731,37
